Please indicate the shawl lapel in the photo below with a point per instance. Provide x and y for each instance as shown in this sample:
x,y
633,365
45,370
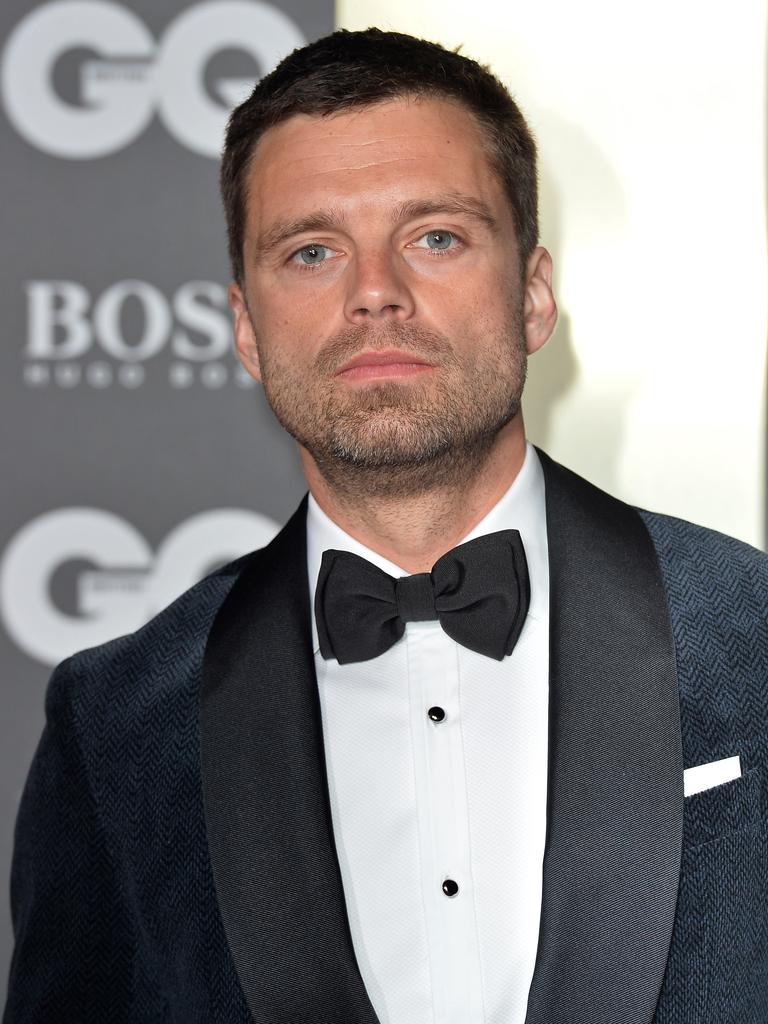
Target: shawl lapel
x,y
615,792
266,802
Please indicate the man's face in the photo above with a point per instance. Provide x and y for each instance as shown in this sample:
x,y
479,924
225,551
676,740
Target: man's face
x,y
383,306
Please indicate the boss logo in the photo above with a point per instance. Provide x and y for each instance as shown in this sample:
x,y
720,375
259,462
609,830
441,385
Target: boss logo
x,y
131,322
133,76
64,323
126,582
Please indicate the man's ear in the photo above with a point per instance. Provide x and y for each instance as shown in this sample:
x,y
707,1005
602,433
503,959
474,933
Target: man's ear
x,y
539,307
245,342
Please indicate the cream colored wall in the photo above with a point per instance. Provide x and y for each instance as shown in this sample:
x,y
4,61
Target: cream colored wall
x,y
651,128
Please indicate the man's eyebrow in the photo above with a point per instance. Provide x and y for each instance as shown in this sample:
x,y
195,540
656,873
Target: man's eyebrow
x,y
329,220
273,238
451,202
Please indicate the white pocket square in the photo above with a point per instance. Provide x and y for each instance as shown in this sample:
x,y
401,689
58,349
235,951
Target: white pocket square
x,y
705,776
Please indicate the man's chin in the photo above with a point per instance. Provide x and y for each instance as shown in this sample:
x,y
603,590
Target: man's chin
x,y
388,453
381,438
408,394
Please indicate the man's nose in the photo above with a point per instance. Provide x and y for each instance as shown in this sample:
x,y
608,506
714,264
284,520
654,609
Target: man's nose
x,y
378,289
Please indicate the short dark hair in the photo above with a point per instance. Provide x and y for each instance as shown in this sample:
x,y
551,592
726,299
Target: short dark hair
x,y
355,69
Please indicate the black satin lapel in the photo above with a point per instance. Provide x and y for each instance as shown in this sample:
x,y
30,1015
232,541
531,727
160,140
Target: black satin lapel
x,y
266,802
615,796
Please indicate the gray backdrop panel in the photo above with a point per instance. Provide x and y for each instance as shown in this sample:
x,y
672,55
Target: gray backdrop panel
x,y
135,456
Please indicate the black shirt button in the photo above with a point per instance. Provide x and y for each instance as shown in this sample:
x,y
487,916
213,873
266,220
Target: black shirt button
x,y
450,888
436,714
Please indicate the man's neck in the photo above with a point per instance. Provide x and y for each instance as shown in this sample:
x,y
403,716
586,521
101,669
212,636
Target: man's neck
x,y
413,531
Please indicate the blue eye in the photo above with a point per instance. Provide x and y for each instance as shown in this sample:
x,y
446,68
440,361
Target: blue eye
x,y
439,239
311,255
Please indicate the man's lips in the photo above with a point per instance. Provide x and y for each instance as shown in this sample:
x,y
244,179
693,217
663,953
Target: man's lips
x,y
389,363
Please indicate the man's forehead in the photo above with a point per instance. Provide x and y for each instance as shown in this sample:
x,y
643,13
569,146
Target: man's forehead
x,y
369,154
386,120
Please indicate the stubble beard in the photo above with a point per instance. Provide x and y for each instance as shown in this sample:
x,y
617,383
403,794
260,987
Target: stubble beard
x,y
399,438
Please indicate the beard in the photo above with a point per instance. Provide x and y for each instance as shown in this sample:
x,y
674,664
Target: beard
x,y
406,436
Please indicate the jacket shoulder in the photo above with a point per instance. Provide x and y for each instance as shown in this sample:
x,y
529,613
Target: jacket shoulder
x,y
715,583
138,679
687,549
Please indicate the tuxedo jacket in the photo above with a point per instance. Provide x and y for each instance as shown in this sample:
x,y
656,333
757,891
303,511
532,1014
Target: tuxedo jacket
x,y
175,859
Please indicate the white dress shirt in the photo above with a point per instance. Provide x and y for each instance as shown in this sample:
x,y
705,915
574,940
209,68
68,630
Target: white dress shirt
x,y
416,801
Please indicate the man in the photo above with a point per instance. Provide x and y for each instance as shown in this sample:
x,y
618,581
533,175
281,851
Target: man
x,y
421,758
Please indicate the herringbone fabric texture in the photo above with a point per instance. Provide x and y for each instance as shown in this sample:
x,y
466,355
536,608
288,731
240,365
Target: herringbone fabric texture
x,y
717,590
114,909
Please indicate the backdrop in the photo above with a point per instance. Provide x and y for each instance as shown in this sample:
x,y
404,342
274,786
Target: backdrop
x,y
136,456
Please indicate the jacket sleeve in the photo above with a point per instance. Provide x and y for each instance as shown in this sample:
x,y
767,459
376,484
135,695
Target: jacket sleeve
x,y
72,960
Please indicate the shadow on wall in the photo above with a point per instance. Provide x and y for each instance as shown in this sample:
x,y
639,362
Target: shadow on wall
x,y
593,414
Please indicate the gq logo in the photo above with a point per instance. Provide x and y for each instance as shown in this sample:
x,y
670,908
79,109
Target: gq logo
x,y
124,584
132,75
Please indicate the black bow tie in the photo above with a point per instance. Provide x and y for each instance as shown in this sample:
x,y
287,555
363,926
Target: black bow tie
x,y
479,592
